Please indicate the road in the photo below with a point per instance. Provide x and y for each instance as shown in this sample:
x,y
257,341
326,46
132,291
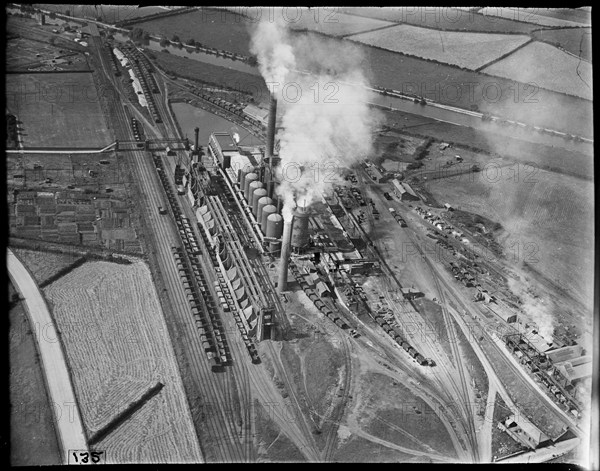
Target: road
x,y
69,426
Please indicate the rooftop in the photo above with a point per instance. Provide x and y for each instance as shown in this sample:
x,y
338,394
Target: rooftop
x,y
225,141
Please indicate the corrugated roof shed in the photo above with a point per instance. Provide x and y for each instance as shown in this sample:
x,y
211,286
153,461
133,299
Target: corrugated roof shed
x,y
564,353
322,289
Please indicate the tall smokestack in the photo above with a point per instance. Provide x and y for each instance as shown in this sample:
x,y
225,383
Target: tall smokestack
x,y
271,130
196,132
285,256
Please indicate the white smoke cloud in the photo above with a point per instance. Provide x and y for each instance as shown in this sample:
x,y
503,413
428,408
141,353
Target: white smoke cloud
x,y
538,310
322,103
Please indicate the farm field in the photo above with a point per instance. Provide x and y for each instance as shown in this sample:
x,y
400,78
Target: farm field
x,y
219,29
577,41
117,346
468,50
43,265
108,13
548,67
445,18
57,110
579,15
528,15
548,216
387,69
497,95
330,21
33,440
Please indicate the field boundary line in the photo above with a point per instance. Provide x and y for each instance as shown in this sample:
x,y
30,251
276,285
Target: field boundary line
x,y
498,59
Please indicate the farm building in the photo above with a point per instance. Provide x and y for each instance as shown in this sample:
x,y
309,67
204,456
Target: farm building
x,y
444,145
404,191
448,207
525,432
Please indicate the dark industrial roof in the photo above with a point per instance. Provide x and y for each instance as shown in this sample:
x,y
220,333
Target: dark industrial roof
x,y
225,141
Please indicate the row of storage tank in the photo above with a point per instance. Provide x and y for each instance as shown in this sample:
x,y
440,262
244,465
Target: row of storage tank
x,y
263,203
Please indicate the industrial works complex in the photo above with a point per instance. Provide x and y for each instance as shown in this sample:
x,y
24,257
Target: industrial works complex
x,y
229,254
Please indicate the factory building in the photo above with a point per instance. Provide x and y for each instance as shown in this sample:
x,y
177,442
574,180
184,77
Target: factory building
x,y
404,191
523,431
572,371
565,353
221,147
257,114
507,317
410,293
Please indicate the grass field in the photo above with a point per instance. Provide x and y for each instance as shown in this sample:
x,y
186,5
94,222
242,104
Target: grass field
x,y
117,344
502,443
579,15
447,19
108,13
213,74
577,41
33,440
530,15
386,69
496,95
548,216
331,22
548,67
57,110
217,29
468,50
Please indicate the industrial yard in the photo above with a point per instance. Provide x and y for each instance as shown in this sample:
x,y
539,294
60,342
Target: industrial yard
x,y
229,272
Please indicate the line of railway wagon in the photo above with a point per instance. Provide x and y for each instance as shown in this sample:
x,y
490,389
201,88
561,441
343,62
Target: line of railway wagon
x,y
202,305
226,298
317,301
143,71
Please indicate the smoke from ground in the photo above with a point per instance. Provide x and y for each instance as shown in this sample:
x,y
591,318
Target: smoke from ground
x,y
327,125
538,310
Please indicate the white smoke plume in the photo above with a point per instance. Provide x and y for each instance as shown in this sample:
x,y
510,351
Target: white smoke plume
x,y
538,310
322,103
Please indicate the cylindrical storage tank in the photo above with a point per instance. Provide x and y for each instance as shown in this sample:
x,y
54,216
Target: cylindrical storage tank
x,y
255,185
262,202
266,212
300,237
242,175
274,226
256,196
250,177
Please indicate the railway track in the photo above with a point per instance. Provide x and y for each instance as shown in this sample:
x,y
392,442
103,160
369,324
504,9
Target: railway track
x,y
213,393
451,399
461,389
